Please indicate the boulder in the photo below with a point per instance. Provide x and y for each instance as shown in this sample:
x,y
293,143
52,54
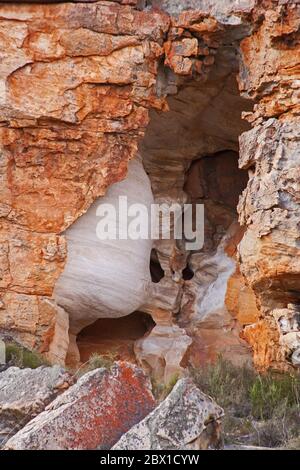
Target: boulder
x,y
93,414
24,393
186,420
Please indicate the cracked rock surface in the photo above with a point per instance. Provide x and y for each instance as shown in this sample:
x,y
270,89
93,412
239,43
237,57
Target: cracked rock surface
x,y
187,419
24,393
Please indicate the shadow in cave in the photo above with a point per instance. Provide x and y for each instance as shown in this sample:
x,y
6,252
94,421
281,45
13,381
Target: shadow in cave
x,y
114,336
156,271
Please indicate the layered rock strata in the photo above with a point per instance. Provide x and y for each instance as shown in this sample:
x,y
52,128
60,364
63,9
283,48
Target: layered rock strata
x,y
269,208
76,83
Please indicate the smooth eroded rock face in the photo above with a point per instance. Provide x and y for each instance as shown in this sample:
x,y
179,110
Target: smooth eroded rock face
x,y
162,350
93,414
107,278
24,393
186,420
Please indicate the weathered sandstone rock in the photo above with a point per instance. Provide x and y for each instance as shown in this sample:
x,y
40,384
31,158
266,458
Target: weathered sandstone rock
x,y
195,160
186,420
24,393
269,251
98,277
76,83
93,414
162,351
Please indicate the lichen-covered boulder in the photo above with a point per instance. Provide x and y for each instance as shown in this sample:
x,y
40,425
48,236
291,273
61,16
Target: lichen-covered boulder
x,y
93,414
24,393
186,419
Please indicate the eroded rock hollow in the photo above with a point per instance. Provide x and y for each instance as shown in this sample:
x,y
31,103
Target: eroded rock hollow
x,y
159,101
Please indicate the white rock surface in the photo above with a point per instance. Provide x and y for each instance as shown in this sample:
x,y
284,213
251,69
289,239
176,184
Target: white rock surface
x,y
106,278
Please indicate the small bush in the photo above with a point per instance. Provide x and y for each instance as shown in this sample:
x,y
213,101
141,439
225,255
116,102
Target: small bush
x,y
161,390
227,384
272,394
96,361
17,355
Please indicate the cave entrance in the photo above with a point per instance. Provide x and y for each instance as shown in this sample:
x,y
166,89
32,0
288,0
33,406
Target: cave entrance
x,y
191,155
216,182
114,336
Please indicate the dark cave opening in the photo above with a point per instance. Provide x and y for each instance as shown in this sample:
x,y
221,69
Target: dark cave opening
x,y
217,177
114,336
187,273
156,271
216,182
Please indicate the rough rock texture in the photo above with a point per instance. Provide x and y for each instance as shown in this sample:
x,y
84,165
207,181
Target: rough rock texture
x,y
93,414
76,83
24,393
269,251
270,208
194,160
186,420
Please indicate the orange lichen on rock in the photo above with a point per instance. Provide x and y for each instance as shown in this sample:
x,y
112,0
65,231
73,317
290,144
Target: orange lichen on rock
x,y
269,207
93,414
270,68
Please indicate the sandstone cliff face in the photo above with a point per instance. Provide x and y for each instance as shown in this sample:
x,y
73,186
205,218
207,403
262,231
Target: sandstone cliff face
x,y
77,81
269,252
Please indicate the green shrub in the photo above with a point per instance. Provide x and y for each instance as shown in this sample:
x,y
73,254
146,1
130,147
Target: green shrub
x,y
272,394
259,409
161,390
227,384
19,356
96,361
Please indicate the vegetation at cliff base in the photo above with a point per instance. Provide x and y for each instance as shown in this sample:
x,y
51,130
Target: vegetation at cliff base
x,y
19,356
97,361
261,410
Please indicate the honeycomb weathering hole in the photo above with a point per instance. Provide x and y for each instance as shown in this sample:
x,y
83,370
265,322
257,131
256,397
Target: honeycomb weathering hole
x,y
156,271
